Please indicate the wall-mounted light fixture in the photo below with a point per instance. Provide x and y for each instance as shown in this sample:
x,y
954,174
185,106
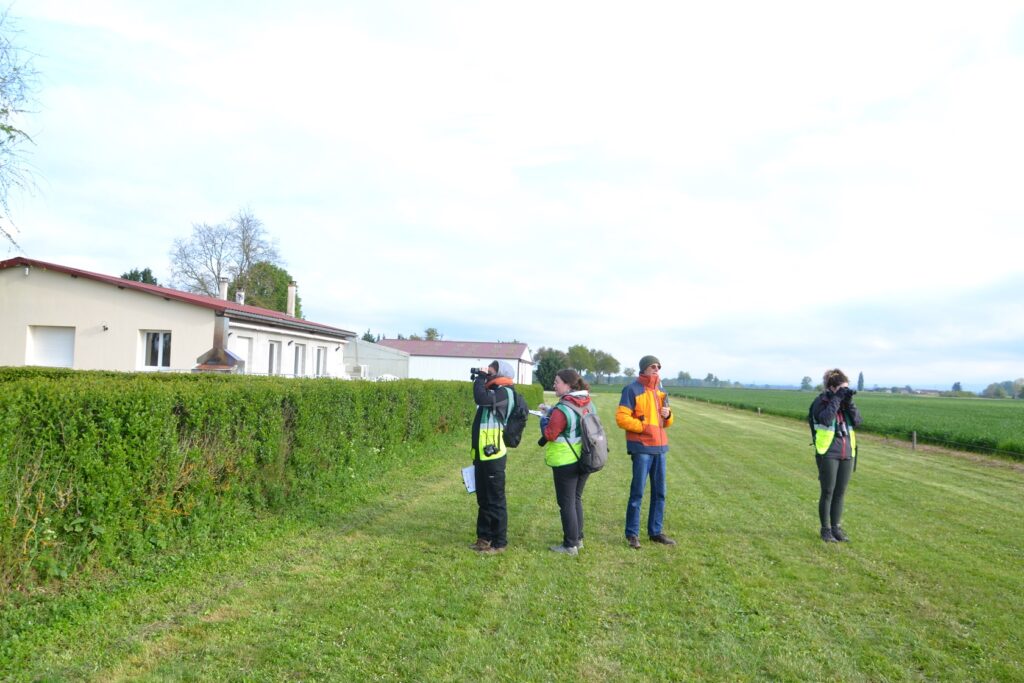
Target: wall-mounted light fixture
x,y
337,347
105,327
290,341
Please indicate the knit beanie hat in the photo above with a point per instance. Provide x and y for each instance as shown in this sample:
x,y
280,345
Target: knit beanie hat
x,y
648,361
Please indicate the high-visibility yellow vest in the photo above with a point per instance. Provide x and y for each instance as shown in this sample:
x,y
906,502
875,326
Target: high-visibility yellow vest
x,y
824,435
559,452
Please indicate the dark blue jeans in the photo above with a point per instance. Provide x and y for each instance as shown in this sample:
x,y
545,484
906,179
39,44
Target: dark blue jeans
x,y
644,465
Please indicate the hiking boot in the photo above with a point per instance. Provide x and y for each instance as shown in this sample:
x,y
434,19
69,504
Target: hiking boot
x,y
481,544
633,542
663,539
839,534
493,550
826,535
567,550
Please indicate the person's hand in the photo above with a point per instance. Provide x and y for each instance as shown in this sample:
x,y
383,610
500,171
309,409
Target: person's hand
x,y
665,412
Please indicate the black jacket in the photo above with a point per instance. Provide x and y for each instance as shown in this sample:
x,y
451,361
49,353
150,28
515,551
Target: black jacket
x,y
827,408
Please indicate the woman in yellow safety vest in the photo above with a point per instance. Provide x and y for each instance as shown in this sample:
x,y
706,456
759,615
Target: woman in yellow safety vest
x,y
836,419
563,435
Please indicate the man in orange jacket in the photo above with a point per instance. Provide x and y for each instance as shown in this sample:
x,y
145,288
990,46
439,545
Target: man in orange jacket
x,y
645,415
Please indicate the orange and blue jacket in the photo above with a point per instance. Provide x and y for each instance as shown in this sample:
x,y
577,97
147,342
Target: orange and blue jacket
x,y
639,414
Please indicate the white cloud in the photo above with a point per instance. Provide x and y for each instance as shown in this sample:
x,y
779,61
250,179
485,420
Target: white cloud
x,y
706,182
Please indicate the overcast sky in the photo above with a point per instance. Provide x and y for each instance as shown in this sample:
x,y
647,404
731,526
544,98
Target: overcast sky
x,y
756,190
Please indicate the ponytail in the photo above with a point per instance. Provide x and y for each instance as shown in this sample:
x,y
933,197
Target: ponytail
x,y
573,379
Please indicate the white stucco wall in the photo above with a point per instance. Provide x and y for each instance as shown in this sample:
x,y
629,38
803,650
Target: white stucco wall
x,y
251,342
49,298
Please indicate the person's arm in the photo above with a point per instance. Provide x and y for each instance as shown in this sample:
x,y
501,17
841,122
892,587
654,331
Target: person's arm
x,y
556,424
826,407
852,412
481,394
671,417
625,416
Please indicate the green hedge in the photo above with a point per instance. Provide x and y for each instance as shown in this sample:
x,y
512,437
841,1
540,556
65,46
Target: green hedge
x,y
100,467
533,393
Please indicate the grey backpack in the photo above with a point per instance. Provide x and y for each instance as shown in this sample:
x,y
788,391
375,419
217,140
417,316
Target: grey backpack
x,y
594,444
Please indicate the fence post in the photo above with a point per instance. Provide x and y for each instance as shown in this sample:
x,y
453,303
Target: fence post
x,y
759,410
913,441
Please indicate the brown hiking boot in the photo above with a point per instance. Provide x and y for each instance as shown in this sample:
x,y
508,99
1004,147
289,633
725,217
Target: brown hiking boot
x,y
491,550
633,542
481,544
663,539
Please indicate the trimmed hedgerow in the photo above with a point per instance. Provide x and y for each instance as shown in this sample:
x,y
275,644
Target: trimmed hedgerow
x,y
533,393
96,468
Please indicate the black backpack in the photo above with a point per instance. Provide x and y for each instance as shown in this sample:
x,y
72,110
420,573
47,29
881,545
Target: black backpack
x,y
515,423
594,444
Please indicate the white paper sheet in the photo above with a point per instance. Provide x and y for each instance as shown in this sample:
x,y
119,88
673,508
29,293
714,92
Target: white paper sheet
x,y
469,479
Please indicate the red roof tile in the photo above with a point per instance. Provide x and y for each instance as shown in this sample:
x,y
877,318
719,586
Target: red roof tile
x,y
229,308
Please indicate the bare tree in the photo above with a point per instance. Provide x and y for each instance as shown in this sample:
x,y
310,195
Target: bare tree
x,y
252,245
17,84
225,250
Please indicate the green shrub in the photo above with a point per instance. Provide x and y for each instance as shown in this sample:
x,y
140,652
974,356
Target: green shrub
x,y
533,393
100,467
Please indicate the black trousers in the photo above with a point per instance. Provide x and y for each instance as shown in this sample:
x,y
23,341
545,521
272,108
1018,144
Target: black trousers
x,y
492,514
569,483
833,475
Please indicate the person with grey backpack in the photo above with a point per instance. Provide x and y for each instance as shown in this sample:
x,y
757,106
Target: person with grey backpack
x,y
564,438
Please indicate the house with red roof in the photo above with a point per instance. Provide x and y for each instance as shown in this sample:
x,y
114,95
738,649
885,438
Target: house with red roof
x,y
58,316
453,359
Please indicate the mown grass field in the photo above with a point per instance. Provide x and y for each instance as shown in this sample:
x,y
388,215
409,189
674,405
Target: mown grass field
x,y
384,588
974,423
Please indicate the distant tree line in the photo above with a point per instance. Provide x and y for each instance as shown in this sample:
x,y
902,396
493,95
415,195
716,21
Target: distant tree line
x,y
548,361
1007,389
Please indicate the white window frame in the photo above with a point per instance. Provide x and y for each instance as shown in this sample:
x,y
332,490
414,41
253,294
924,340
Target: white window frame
x,y
274,358
300,360
164,357
321,361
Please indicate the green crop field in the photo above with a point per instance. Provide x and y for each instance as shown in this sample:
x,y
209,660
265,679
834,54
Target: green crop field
x,y
965,423
383,587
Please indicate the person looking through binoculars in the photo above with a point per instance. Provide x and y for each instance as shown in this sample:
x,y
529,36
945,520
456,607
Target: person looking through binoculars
x,y
834,421
492,392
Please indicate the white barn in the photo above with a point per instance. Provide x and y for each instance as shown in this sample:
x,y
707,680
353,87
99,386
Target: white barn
x,y
54,315
453,359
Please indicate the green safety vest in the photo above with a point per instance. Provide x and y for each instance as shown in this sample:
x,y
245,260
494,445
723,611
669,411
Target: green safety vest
x,y
560,451
824,435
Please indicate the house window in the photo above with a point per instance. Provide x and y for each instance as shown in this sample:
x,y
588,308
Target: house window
x,y
300,360
274,359
321,361
158,350
50,346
